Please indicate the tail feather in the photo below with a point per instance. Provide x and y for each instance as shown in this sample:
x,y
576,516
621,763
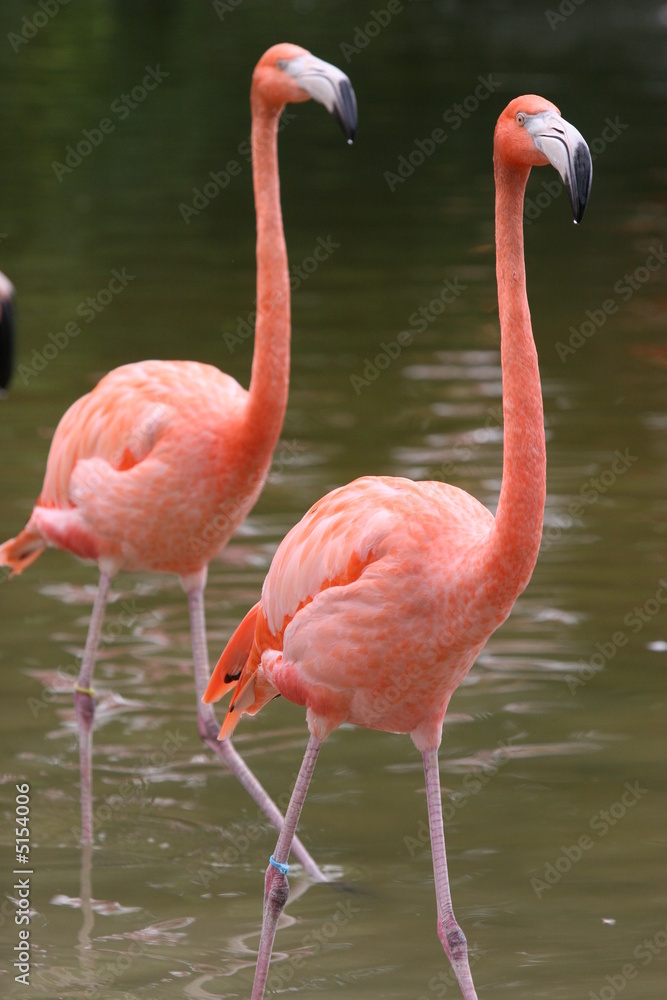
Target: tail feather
x,y
19,552
242,701
228,668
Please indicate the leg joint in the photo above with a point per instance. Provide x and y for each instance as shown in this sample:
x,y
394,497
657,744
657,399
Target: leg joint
x,y
277,889
458,945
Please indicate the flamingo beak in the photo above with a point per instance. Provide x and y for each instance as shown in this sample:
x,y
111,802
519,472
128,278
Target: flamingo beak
x,y
6,331
566,150
328,85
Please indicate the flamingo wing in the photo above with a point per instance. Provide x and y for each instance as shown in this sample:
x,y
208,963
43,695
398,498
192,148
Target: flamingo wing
x,y
113,425
329,547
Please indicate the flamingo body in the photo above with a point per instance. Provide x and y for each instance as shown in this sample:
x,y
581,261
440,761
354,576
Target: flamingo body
x,y
152,470
371,612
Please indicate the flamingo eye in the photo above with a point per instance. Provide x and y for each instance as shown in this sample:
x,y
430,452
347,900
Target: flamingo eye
x,y
521,118
281,63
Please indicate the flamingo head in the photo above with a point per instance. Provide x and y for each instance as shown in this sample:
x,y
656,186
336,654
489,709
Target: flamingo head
x,y
289,74
531,133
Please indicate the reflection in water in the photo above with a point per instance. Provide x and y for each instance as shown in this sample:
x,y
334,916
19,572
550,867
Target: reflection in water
x,y
86,902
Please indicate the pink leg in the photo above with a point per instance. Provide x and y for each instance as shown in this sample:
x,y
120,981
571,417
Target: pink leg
x,y
450,934
209,728
84,706
276,888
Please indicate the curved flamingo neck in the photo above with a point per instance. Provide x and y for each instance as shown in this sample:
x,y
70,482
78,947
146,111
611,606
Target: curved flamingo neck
x,y
269,382
516,536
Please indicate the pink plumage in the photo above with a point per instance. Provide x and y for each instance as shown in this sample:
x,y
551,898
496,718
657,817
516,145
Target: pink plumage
x,y
154,469
379,601
371,612
159,464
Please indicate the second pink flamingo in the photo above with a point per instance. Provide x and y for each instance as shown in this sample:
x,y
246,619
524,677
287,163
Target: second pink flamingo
x,y
379,601
159,464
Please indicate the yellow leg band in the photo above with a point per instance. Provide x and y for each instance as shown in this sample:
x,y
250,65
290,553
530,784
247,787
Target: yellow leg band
x,y
90,691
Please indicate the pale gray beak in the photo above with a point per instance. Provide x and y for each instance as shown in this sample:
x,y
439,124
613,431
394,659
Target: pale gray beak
x,y
328,85
566,149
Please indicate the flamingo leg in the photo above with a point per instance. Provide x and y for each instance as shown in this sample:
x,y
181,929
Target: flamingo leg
x,y
84,706
209,728
451,936
276,887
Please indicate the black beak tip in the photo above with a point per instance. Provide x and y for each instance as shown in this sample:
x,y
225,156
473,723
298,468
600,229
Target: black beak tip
x,y
345,110
349,127
580,188
6,343
578,206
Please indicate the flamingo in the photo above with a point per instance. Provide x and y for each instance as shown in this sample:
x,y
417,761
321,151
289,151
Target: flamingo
x,y
159,464
379,600
6,331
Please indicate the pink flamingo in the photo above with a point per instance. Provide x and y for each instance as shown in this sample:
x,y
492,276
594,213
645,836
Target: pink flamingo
x,y
379,601
159,464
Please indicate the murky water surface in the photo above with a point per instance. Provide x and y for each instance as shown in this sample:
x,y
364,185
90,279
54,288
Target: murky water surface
x,y
552,755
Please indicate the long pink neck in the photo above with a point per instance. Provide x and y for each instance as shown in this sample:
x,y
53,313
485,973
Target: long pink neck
x,y
269,382
515,539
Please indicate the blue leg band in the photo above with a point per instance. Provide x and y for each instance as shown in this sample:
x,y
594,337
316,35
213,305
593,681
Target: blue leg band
x,y
283,869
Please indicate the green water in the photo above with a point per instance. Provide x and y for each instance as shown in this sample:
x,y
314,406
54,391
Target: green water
x,y
557,866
